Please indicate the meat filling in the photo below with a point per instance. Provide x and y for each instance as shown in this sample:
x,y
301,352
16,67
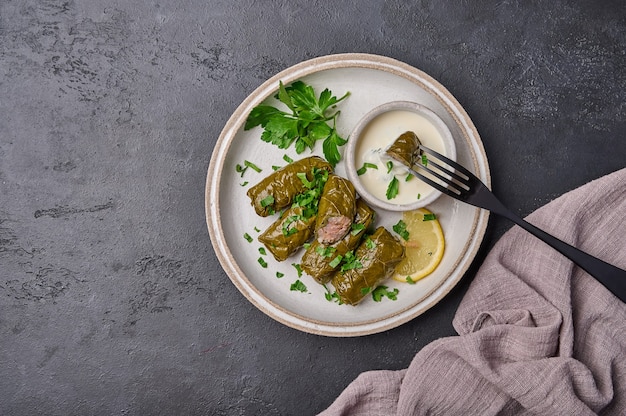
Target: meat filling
x,y
334,230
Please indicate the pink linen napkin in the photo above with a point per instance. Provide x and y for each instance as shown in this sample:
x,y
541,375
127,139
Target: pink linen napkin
x,y
537,335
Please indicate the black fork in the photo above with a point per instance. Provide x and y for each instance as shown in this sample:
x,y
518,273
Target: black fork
x,y
461,184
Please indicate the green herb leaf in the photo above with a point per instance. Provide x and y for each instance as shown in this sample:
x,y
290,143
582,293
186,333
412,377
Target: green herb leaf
x,y
252,166
280,131
389,166
429,217
247,237
350,261
241,169
365,167
424,159
284,96
410,281
332,296
393,188
287,159
298,269
325,251
268,200
298,286
260,115
400,229
262,262
336,261
307,183
262,251
381,291
357,228
331,148
287,228
279,275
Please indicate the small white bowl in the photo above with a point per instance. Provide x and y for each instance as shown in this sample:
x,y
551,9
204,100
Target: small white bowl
x,y
377,130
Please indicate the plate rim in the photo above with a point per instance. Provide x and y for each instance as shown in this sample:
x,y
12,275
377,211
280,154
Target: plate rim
x,y
224,141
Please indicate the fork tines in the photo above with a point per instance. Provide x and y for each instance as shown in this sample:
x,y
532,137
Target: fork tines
x,y
440,177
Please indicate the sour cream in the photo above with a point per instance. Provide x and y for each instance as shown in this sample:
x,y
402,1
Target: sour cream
x,y
376,137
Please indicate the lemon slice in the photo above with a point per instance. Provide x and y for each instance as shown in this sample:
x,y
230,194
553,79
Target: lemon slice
x,y
424,248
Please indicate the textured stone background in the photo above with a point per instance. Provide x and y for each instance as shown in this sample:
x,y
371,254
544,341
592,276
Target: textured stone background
x,y
112,301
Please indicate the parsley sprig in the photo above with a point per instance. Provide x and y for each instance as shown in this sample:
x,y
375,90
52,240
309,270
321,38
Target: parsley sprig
x,y
305,125
382,291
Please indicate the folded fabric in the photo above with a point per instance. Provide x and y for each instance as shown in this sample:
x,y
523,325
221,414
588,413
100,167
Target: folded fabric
x,y
537,335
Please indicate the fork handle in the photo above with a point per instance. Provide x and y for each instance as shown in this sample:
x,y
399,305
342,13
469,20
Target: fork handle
x,y
613,278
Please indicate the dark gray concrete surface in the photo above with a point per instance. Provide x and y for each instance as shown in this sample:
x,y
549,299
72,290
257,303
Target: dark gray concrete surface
x,y
112,301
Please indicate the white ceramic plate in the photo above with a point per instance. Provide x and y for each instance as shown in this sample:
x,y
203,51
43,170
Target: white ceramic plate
x,y
372,80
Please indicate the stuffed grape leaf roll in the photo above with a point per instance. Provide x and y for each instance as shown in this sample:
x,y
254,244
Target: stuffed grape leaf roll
x,y
336,210
320,261
288,233
374,261
405,148
278,190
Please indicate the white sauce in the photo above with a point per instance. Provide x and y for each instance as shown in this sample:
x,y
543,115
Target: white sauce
x,y
381,132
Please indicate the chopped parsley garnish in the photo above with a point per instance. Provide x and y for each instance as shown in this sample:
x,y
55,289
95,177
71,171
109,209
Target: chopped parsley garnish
x,y
298,269
389,166
429,217
288,229
350,261
332,296
305,181
365,167
279,275
325,251
365,290
410,281
381,291
257,229
287,159
247,237
409,176
262,251
252,166
267,201
298,286
370,244
393,188
309,199
336,261
276,167
400,229
357,228
424,159
305,123
246,165
262,262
